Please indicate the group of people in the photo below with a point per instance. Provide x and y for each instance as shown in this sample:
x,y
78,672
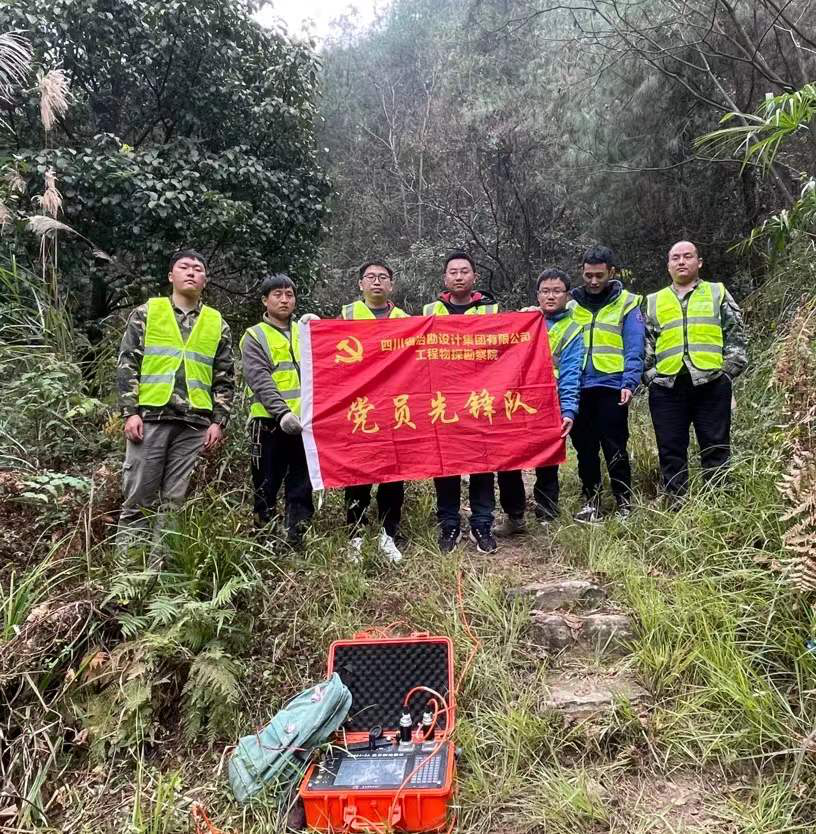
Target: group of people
x,y
686,343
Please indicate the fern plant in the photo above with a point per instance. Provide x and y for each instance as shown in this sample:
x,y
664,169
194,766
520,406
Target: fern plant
x,y
211,694
182,627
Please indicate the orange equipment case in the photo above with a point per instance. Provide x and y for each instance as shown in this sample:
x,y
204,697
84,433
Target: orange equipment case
x,y
406,787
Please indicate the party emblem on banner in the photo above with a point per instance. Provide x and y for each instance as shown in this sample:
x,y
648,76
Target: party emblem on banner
x,y
349,351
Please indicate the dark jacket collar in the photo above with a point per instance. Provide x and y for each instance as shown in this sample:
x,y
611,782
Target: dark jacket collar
x,y
589,301
477,299
557,316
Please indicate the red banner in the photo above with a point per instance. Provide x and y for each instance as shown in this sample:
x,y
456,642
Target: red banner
x,y
408,399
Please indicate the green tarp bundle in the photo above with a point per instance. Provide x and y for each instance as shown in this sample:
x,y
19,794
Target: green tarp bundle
x,y
278,754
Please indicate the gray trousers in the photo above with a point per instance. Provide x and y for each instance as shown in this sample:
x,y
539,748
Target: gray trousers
x,y
155,479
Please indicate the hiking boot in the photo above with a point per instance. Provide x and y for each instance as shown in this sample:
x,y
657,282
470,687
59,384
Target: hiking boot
x,y
511,527
388,548
589,513
483,539
355,549
449,537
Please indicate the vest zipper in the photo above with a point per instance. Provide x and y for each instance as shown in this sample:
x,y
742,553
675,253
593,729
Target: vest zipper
x,y
684,311
590,357
292,353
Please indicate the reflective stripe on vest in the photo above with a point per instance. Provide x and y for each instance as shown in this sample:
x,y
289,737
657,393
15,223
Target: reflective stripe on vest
x,y
361,310
560,334
437,308
164,351
603,331
695,332
284,359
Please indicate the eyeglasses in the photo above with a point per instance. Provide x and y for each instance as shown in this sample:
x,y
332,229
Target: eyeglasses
x,y
551,293
380,276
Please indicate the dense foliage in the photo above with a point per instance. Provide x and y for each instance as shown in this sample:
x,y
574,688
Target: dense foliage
x,y
188,124
527,130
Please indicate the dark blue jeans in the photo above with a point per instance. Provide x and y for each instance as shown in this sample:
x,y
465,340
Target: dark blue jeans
x,y
449,496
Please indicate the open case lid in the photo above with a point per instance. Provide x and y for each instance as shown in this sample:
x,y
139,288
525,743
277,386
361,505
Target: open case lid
x,y
380,672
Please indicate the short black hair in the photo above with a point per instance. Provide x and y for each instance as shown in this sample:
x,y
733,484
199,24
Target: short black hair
x,y
550,274
459,256
600,255
277,281
186,253
376,262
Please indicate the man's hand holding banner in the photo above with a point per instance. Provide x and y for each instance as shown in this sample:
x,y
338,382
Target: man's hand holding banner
x,y
419,397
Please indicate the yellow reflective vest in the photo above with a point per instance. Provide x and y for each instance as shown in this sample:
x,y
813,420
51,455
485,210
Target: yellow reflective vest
x,y
695,332
284,358
164,351
560,334
437,308
361,310
603,331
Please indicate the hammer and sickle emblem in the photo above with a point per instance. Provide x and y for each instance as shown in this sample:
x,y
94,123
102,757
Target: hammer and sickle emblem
x,y
349,351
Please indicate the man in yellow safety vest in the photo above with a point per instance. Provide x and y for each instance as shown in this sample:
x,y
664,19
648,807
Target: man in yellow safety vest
x,y
695,348
613,363
175,380
376,282
270,354
461,299
567,353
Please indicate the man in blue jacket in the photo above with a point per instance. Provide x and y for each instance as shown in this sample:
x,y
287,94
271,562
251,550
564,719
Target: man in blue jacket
x,y
567,351
614,335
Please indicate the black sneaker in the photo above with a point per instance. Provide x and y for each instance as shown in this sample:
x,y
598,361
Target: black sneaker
x,y
482,537
449,537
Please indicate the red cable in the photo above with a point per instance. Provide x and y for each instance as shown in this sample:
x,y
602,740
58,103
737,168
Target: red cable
x,y
203,824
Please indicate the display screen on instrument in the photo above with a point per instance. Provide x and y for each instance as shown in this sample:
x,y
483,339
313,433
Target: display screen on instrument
x,y
370,772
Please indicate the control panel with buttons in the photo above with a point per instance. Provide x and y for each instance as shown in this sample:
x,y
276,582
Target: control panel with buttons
x,y
344,770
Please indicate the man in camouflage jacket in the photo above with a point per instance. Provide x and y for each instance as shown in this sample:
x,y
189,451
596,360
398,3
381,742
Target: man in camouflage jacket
x,y
695,347
170,420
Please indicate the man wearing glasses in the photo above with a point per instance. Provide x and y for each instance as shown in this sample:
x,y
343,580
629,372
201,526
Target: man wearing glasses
x,y
567,351
376,285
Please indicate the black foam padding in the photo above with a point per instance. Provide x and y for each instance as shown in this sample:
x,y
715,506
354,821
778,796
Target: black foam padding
x,y
379,676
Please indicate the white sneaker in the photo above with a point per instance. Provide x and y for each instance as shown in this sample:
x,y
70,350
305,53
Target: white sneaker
x,y
388,548
355,549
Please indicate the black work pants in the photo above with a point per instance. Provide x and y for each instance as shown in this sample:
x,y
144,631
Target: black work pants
x,y
279,459
602,424
545,492
389,504
449,497
674,410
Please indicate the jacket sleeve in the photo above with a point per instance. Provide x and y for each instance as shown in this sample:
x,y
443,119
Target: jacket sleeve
x,y
634,336
650,355
223,380
258,376
129,362
735,339
569,378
